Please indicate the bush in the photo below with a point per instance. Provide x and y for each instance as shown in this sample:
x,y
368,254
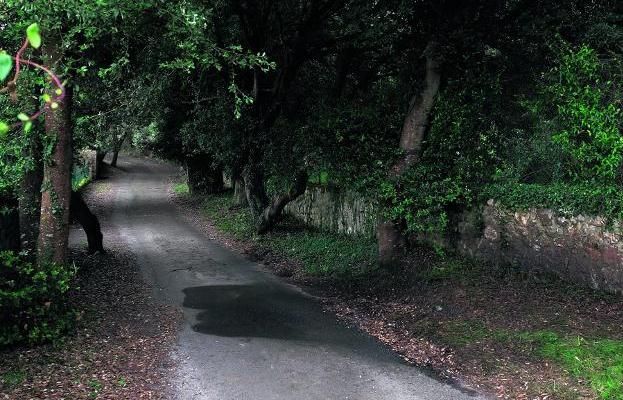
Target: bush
x,y
33,306
579,106
567,199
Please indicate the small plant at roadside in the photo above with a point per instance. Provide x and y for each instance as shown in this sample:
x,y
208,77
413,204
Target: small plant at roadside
x,y
13,378
96,387
33,300
181,189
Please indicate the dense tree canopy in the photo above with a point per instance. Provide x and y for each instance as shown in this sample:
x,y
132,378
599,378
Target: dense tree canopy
x,y
426,106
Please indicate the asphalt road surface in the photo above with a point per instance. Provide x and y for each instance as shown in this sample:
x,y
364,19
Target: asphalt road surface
x,y
247,335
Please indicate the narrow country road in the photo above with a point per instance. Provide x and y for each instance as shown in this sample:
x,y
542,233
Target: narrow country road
x,y
246,335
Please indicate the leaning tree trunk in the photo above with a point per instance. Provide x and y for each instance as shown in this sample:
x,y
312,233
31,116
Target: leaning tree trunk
x,y
56,188
272,213
116,149
89,222
30,199
389,235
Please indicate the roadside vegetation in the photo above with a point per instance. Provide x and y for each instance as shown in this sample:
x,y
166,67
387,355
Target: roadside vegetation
x,y
562,342
423,108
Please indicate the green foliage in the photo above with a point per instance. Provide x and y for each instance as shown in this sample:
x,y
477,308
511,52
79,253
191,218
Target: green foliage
x,y
6,64
567,199
321,253
181,189
459,152
33,300
13,379
600,361
580,106
34,38
80,176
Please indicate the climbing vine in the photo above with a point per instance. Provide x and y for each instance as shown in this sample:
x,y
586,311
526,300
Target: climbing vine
x,y
8,63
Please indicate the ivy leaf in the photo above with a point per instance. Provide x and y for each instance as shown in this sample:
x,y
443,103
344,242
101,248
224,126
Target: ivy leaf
x,y
27,126
23,117
32,33
4,128
6,64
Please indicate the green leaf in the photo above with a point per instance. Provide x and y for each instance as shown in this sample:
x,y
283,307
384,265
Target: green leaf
x,y
23,117
27,126
4,128
6,64
32,33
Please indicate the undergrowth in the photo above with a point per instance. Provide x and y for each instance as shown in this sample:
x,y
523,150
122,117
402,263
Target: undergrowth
x,y
598,361
321,253
181,189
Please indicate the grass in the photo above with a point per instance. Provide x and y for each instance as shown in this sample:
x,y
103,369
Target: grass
x,y
13,379
448,268
181,189
96,387
597,361
321,253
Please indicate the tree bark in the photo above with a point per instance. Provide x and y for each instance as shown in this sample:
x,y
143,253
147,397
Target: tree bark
x,y
99,163
115,157
56,189
240,195
9,224
389,236
89,222
118,144
30,199
273,212
203,177
257,198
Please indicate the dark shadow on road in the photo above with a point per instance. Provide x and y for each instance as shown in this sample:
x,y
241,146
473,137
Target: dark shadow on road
x,y
257,310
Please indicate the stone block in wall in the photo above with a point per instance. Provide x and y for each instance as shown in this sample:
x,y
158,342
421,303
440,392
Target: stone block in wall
x,y
336,211
579,248
89,158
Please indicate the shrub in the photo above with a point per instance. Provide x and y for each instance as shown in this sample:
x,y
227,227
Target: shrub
x,y
33,308
579,104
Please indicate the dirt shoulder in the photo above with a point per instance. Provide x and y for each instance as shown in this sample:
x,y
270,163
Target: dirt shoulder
x,y
499,331
120,346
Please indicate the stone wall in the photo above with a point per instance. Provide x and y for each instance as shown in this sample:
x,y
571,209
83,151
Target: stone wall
x,y
335,211
585,250
581,249
89,158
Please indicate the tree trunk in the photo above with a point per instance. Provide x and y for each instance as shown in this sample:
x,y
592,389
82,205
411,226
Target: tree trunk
x,y
89,222
273,212
257,199
115,157
389,236
30,199
99,163
203,177
56,189
9,224
240,195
